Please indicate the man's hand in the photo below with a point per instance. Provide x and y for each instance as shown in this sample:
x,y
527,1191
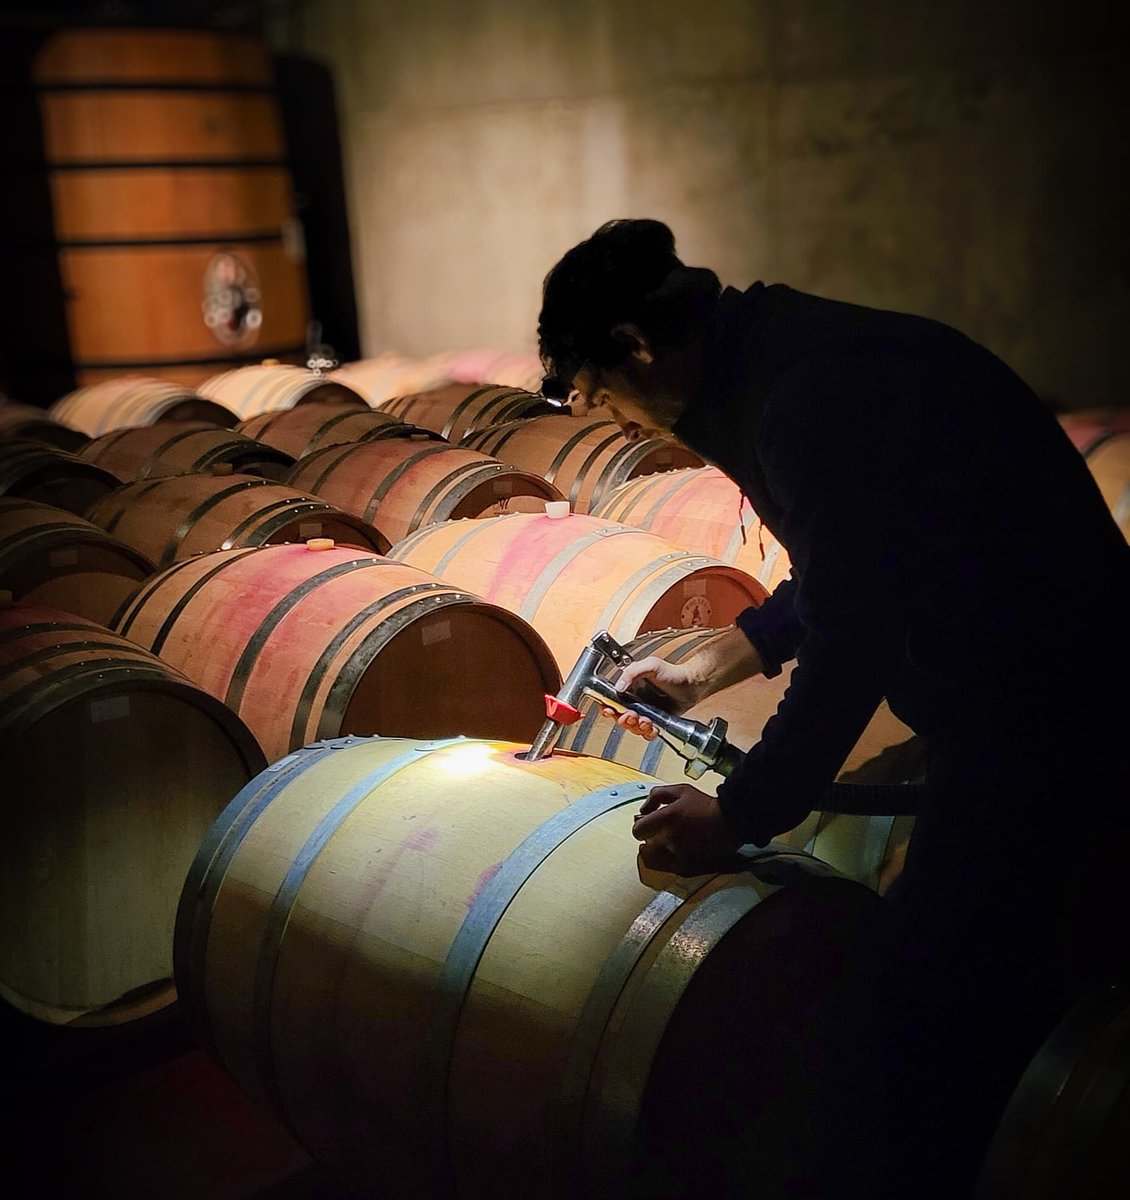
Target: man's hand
x,y
675,687
662,684
684,831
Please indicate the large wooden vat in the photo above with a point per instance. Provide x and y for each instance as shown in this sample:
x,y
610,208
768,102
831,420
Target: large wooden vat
x,y
29,423
114,768
458,409
866,848
308,643
574,576
44,473
703,509
184,448
131,400
176,517
172,201
440,967
402,484
51,557
267,387
308,427
585,457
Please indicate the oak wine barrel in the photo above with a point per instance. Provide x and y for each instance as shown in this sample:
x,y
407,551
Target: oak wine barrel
x,y
585,457
402,484
384,376
128,401
1063,1132
184,448
1087,427
509,368
51,557
174,217
514,369
866,848
702,509
30,423
454,947
115,767
308,427
573,576
458,409
1109,461
35,471
307,642
173,518
267,387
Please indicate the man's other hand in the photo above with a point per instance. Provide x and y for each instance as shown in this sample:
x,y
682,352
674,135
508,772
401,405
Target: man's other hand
x,y
685,832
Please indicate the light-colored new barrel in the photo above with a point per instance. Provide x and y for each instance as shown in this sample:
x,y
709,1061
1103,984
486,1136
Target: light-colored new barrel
x,y
183,448
384,376
114,769
703,509
307,642
586,457
266,387
574,576
176,517
131,400
509,368
442,969
401,484
51,557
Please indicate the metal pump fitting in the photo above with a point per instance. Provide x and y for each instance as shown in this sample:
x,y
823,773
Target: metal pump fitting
x,y
704,747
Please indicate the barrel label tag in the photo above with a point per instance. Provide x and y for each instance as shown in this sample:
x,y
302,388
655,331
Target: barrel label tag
x,y
309,529
112,708
63,558
435,631
282,762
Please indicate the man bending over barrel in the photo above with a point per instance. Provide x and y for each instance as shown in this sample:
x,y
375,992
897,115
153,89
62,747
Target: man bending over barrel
x,y
951,553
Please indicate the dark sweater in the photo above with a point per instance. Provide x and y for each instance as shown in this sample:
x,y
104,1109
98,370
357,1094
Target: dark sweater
x,y
950,549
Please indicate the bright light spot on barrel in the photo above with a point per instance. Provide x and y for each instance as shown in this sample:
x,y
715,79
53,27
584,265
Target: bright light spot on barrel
x,y
471,759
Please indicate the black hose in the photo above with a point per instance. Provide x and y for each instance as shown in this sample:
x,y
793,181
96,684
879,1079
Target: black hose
x,y
873,799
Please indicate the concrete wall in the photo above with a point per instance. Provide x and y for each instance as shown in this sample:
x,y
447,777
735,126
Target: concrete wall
x,y
946,157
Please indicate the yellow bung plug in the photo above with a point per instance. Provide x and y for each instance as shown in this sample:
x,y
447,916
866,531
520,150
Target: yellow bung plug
x,y
557,509
319,543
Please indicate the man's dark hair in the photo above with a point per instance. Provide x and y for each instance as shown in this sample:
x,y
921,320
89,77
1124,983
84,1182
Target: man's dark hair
x,y
626,272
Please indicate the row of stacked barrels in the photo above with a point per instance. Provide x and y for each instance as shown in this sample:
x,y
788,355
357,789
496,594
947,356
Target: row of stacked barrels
x,y
265,679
